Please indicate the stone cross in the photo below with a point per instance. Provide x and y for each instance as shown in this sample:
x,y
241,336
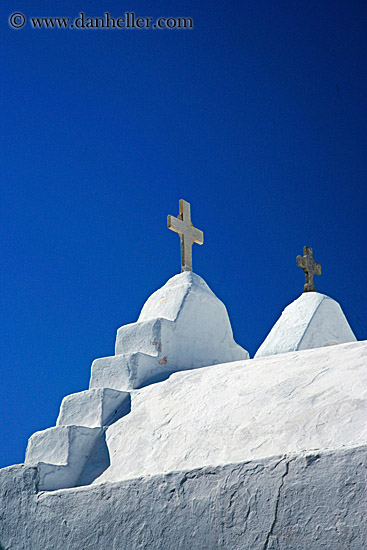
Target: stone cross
x,y
310,267
188,234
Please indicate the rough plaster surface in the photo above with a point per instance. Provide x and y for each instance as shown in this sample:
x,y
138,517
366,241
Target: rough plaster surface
x,y
312,321
309,501
245,410
312,399
182,326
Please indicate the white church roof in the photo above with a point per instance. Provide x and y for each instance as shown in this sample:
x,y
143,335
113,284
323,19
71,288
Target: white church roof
x,y
183,325
312,321
221,408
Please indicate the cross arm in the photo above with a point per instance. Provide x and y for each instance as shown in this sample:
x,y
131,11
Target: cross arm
x,y
197,236
301,262
175,224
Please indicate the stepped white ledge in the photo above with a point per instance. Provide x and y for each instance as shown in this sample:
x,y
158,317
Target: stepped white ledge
x,y
314,320
61,454
125,371
93,408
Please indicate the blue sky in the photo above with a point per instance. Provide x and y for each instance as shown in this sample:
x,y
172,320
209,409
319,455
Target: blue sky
x,y
257,117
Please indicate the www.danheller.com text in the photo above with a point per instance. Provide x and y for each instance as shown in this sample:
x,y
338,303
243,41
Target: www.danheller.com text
x,y
129,20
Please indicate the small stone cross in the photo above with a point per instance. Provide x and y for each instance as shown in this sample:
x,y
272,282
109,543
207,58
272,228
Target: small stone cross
x,y
188,234
310,267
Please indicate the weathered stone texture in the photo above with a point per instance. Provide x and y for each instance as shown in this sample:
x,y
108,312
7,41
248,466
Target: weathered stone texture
x,y
306,501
